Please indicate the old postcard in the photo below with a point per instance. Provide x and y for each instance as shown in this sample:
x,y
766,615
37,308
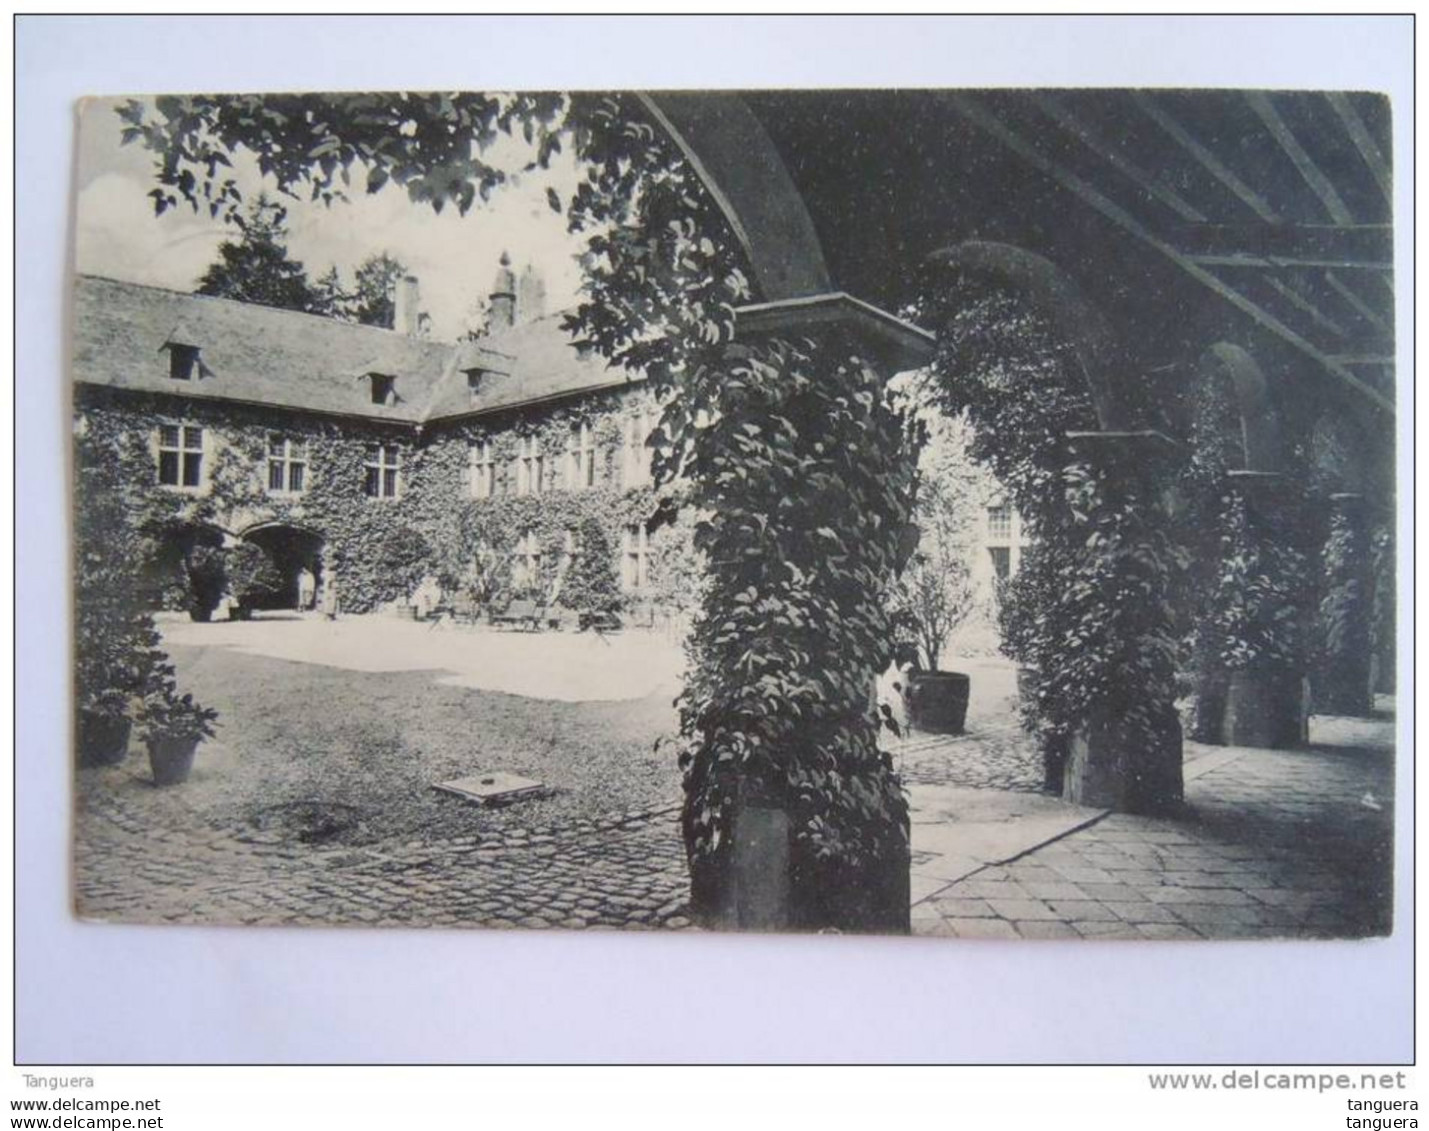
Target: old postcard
x,y
949,512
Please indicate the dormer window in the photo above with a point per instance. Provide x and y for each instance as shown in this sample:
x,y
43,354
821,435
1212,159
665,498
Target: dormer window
x,y
473,381
183,361
384,388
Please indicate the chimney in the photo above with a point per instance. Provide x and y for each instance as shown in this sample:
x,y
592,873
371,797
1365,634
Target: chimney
x,y
405,302
530,296
503,296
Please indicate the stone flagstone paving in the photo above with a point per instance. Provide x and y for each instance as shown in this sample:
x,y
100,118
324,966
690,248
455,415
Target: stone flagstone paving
x,y
1274,843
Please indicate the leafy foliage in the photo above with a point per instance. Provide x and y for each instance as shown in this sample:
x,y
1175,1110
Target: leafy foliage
x,y
256,267
935,594
1249,586
318,145
373,301
167,713
1346,614
119,658
806,476
113,629
1092,612
591,586
250,574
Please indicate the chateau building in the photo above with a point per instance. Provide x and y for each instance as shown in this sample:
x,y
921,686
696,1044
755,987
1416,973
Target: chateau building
x,y
377,459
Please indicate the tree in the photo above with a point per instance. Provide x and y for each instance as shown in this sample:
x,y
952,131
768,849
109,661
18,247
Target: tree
x,y
256,267
373,300
935,594
330,298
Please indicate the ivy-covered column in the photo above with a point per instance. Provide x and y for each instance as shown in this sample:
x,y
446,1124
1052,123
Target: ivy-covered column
x,y
793,818
1256,629
1346,646
1119,660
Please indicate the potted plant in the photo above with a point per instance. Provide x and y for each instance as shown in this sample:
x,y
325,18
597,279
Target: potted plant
x,y
934,595
174,725
102,728
114,638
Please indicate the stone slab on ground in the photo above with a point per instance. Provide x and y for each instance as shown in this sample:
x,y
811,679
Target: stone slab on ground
x,y
495,788
957,831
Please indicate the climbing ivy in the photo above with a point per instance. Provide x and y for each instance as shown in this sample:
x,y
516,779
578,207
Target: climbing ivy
x,y
382,549
1092,613
1346,615
800,473
806,478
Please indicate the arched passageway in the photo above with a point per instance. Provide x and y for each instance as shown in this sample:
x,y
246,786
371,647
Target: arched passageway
x,y
294,555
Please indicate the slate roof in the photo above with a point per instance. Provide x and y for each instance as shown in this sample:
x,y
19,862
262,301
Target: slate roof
x,y
263,355
534,361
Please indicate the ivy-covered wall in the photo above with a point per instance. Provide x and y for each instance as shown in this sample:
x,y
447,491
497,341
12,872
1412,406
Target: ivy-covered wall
x,y
382,549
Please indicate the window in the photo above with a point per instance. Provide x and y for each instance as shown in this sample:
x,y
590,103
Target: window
x,y
180,455
483,470
635,558
581,462
999,523
384,388
183,361
287,464
531,469
637,455
473,381
1001,561
384,462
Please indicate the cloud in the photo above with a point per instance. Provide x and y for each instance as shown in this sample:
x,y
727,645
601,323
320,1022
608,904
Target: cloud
x,y
455,257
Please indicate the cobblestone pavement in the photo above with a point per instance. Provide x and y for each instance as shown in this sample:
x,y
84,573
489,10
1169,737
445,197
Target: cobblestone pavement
x,y
995,755
1273,843
628,873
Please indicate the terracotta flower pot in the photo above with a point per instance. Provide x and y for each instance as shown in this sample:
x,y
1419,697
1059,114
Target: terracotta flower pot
x,y
171,759
102,740
938,701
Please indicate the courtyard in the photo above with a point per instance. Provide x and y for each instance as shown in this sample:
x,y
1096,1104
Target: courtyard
x,y
314,804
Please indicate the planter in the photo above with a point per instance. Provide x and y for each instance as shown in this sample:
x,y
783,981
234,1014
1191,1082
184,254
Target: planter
x,y
101,740
203,616
938,701
766,882
1112,765
171,759
1266,709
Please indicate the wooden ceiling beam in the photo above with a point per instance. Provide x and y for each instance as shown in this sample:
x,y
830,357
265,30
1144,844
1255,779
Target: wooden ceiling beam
x,y
1311,173
1205,158
1363,141
992,125
1133,172
1306,307
1369,246
1362,308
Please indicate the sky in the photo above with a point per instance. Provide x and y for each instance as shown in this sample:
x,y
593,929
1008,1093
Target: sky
x,y
454,257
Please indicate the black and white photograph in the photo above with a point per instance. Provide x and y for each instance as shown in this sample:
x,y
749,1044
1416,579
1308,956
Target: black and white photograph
x,y
951,512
